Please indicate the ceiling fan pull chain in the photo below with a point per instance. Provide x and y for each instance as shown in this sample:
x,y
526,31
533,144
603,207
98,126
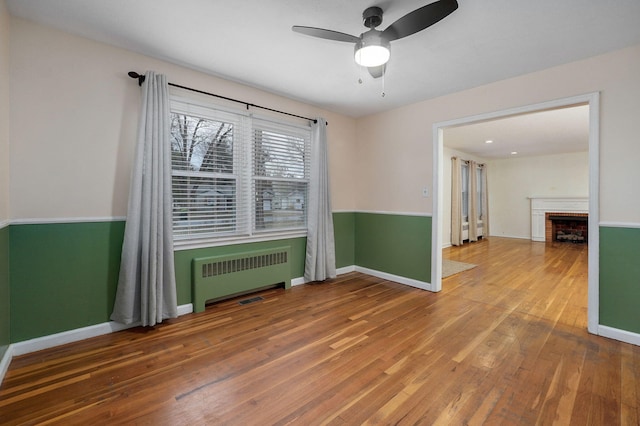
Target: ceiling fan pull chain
x,y
384,72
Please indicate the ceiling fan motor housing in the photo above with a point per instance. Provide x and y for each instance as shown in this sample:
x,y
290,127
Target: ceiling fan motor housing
x,y
372,17
372,49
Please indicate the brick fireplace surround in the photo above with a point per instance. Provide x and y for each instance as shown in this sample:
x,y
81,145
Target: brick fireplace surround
x,y
548,226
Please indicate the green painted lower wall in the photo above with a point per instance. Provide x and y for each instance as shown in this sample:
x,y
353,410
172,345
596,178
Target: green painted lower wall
x,y
5,295
63,276
620,278
394,243
344,224
59,277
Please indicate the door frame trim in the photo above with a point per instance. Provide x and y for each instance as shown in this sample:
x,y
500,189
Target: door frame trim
x,y
591,99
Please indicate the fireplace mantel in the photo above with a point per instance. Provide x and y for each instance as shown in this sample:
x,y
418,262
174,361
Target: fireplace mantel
x,y
542,205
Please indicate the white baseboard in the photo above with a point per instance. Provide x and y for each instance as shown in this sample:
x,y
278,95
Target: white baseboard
x,y
617,334
5,361
516,237
52,340
379,274
346,270
46,342
185,309
339,271
298,281
396,278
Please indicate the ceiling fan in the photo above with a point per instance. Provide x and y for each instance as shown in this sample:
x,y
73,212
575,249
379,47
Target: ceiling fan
x,y
372,48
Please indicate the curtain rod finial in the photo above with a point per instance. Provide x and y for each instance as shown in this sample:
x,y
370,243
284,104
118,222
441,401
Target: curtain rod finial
x,y
140,77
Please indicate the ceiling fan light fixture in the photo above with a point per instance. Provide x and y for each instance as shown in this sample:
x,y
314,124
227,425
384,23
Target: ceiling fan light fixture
x,y
372,50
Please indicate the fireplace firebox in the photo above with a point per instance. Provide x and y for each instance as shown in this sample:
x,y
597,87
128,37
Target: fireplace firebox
x,y
568,227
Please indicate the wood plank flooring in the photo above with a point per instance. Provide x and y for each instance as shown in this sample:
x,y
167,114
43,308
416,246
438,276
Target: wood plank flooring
x,y
503,343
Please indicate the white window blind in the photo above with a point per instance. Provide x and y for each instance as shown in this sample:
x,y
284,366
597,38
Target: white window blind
x,y
235,176
280,175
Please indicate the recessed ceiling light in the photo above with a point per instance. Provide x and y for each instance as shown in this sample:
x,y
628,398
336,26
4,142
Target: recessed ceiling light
x,y
514,152
488,141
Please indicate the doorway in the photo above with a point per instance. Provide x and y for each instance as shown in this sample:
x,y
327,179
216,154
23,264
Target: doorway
x,y
592,100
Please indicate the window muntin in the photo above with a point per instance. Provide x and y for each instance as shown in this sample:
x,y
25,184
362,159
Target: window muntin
x,y
235,176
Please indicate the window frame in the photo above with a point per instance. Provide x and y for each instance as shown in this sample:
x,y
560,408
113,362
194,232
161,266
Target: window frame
x,y
243,159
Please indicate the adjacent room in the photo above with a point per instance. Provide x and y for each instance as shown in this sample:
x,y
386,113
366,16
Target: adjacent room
x,y
521,163
238,212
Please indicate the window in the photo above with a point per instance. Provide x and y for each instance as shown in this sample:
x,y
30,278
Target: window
x,y
465,191
479,191
465,188
235,176
280,176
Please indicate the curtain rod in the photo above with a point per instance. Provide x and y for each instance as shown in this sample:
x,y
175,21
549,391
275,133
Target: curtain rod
x,y
141,77
467,161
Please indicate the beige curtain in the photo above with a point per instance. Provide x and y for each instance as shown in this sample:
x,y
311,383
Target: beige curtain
x,y
485,203
456,201
473,201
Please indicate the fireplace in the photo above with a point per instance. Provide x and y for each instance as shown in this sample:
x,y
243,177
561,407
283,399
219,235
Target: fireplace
x,y
542,207
567,227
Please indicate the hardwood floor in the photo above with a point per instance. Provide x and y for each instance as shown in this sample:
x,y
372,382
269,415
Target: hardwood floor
x,y
503,343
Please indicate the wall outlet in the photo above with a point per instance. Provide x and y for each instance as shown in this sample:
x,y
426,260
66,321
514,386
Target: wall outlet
x,y
425,192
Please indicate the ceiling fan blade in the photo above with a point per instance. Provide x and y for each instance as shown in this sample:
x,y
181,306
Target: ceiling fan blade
x,y
326,34
420,19
377,72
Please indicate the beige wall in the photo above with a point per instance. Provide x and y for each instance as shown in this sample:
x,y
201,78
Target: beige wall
x,y
512,181
396,147
76,109
4,112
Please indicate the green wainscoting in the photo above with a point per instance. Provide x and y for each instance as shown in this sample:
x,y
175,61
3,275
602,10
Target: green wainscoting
x,y
5,295
394,243
63,276
620,278
59,277
344,224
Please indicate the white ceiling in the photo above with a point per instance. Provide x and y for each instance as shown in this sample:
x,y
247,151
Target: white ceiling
x,y
250,41
549,132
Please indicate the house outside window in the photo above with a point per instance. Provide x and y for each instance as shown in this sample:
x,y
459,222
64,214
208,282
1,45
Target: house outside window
x,y
236,177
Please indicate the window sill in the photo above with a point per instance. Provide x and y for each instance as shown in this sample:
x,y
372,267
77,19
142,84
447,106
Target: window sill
x,y
218,242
